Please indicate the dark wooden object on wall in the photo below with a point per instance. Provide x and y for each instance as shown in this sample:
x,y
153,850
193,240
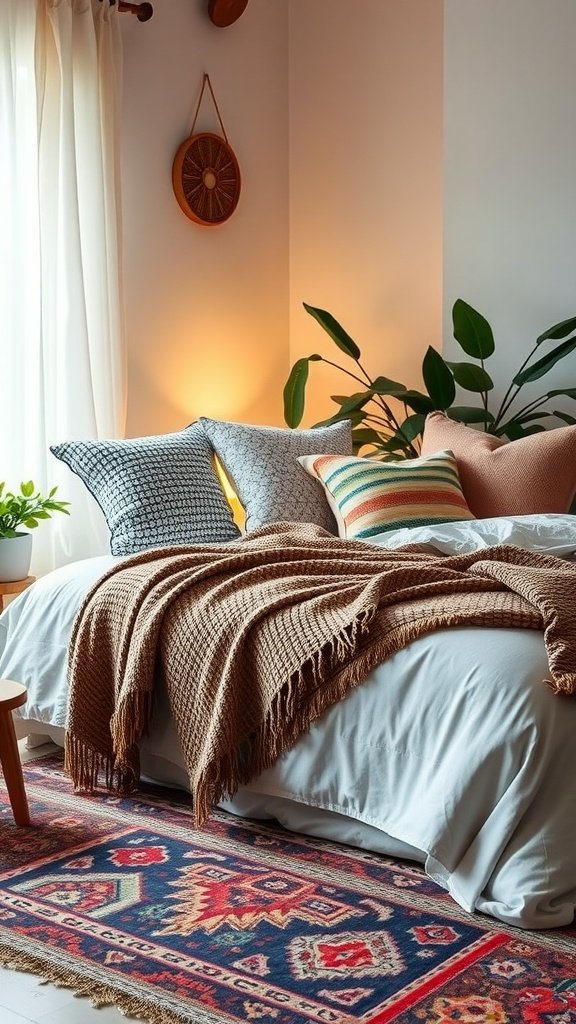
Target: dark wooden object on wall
x,y
142,11
224,12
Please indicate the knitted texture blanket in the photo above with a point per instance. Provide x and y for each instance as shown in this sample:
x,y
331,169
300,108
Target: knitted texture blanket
x,y
255,639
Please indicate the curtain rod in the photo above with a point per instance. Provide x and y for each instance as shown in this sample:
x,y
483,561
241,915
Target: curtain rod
x,y
142,11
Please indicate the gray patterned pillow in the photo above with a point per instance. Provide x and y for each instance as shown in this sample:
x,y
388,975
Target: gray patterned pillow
x,y
262,465
154,491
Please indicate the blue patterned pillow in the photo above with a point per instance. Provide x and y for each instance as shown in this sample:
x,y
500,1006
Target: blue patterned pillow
x,y
154,491
262,464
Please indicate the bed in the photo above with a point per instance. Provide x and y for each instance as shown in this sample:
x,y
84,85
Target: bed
x,y
452,752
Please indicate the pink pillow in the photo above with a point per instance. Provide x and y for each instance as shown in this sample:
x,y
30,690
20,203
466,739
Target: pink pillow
x,y
532,475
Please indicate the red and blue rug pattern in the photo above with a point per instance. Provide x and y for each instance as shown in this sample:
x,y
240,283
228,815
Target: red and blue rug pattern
x,y
121,899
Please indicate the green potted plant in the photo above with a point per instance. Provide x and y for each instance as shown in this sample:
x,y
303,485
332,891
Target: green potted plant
x,y
388,418
25,509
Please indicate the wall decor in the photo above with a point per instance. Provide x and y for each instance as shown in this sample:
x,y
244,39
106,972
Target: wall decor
x,y
205,172
224,12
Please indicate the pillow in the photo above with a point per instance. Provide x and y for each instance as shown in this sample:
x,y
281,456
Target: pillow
x,y
532,475
154,491
262,467
370,497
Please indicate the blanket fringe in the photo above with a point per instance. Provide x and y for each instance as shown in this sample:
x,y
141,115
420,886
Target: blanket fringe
x,y
563,684
117,768
88,768
98,993
290,714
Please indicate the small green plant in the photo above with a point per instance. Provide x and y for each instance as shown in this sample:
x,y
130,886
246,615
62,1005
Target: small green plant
x,y
392,435
27,508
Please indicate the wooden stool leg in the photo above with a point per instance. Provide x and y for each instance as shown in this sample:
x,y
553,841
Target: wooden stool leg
x,y
12,767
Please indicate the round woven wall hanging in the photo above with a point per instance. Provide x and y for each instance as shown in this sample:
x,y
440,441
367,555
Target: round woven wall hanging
x,y
205,173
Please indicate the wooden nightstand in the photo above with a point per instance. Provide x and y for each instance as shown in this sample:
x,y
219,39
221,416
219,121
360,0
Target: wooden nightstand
x,y
12,695
15,587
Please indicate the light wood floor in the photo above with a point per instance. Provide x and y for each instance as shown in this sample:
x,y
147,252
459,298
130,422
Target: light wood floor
x,y
25,1000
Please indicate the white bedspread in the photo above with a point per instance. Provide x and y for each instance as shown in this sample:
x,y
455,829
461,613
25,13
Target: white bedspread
x,y
453,750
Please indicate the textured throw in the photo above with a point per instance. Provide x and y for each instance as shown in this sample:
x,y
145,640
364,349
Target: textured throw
x,y
256,638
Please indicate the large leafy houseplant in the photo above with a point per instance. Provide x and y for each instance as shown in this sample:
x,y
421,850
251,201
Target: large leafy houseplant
x,y
392,430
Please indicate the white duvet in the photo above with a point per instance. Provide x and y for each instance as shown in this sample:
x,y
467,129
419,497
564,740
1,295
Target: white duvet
x,y
453,751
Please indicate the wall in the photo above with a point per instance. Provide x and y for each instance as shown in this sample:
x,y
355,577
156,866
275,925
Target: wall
x,y
340,205
335,112
206,306
509,181
365,184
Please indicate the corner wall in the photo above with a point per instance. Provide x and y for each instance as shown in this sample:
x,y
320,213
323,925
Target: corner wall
x,y
365,110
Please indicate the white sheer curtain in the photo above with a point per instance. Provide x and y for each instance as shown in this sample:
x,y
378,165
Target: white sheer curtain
x,y
62,359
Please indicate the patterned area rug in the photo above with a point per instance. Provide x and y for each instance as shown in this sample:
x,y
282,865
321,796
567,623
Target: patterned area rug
x,y
120,900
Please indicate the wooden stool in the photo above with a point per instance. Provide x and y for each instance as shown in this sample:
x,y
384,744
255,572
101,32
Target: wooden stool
x,y
12,695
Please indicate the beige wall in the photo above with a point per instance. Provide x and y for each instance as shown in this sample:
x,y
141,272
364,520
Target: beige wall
x,y
335,116
205,307
366,184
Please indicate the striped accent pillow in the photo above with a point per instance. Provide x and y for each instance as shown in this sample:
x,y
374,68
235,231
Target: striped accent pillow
x,y
369,497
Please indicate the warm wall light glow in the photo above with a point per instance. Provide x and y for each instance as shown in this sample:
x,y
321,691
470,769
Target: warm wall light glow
x,y
214,371
231,496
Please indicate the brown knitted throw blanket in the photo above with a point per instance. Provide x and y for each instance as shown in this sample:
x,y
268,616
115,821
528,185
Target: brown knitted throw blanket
x,y
254,639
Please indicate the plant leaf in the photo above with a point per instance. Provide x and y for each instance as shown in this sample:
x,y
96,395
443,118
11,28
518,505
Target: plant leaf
x,y
472,331
518,421
514,430
471,377
366,435
542,366
469,414
385,386
417,401
27,489
571,420
295,393
530,417
568,392
438,379
560,330
355,402
334,330
335,418
412,426
338,417
396,443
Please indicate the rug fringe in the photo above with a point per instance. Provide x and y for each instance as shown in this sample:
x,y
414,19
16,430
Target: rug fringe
x,y
99,994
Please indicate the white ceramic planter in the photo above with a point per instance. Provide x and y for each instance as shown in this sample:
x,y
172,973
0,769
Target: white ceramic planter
x,y
15,555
